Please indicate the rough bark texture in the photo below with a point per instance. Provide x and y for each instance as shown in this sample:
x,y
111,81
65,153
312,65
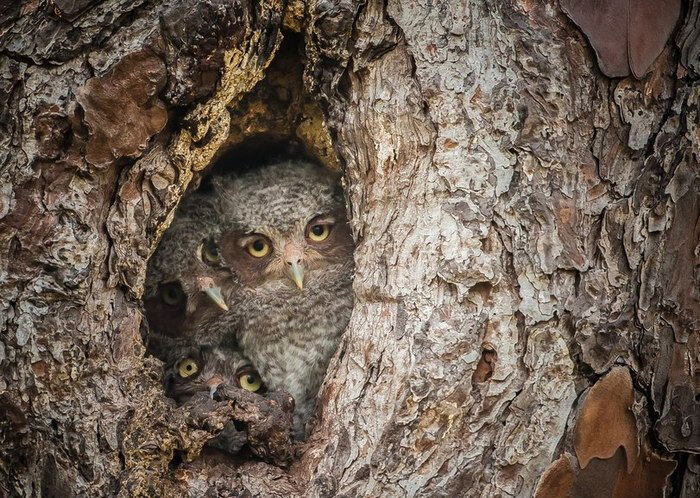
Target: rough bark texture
x,y
527,316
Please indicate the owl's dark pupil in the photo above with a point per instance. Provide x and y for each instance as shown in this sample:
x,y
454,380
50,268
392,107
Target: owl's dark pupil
x,y
317,230
250,379
258,245
188,367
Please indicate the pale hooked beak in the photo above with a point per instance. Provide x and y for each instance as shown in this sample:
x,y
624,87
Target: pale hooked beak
x,y
214,294
206,285
296,273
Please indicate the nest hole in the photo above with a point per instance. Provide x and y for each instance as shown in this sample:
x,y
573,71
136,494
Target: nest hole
x,y
216,275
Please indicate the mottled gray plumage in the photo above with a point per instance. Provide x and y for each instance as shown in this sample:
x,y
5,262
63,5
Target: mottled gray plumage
x,y
289,307
181,284
196,369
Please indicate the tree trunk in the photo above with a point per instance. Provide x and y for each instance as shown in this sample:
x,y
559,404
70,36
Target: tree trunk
x,y
527,287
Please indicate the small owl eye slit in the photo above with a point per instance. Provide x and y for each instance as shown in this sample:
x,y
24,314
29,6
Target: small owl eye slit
x,y
172,294
258,247
209,252
187,368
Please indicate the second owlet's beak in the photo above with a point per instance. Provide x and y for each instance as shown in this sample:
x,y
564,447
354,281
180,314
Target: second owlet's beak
x,y
206,285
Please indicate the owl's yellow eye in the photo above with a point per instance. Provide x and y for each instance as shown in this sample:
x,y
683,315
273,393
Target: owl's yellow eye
x,y
187,367
210,252
319,233
259,248
250,381
172,294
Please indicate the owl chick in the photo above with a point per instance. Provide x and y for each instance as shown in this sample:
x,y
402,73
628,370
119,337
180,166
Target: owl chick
x,y
288,246
197,369
183,299
193,371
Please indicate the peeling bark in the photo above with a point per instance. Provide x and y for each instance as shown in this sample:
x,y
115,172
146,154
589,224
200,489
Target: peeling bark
x,y
528,235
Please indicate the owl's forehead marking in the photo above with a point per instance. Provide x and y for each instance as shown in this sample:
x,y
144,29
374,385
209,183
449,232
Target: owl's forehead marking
x,y
274,233
280,230
276,217
281,197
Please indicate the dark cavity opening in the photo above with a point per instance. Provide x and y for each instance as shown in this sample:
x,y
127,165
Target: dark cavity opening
x,y
253,278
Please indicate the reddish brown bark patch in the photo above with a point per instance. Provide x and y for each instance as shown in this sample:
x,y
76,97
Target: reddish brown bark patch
x,y
486,366
610,460
647,479
606,478
606,421
627,35
558,480
121,110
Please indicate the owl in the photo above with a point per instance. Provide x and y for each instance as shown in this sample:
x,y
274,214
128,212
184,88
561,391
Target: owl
x,y
183,299
194,371
197,369
285,239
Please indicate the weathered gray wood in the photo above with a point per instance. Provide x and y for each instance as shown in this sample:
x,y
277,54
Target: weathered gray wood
x,y
524,226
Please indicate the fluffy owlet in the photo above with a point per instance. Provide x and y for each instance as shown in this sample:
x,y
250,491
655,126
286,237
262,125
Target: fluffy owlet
x,y
183,298
194,370
198,370
286,241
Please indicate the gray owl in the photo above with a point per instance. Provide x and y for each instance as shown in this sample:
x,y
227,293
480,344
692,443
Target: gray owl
x,y
196,369
183,298
193,371
286,241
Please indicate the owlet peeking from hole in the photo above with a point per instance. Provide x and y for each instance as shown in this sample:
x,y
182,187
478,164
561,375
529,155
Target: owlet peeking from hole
x,y
193,370
184,299
288,247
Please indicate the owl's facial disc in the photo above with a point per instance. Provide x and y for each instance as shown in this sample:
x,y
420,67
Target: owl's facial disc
x,y
297,252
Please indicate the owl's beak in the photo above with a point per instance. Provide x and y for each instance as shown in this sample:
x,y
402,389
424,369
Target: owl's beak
x,y
206,285
293,254
296,273
214,294
213,384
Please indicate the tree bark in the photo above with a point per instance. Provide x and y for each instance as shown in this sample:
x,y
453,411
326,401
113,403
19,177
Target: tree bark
x,y
527,287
